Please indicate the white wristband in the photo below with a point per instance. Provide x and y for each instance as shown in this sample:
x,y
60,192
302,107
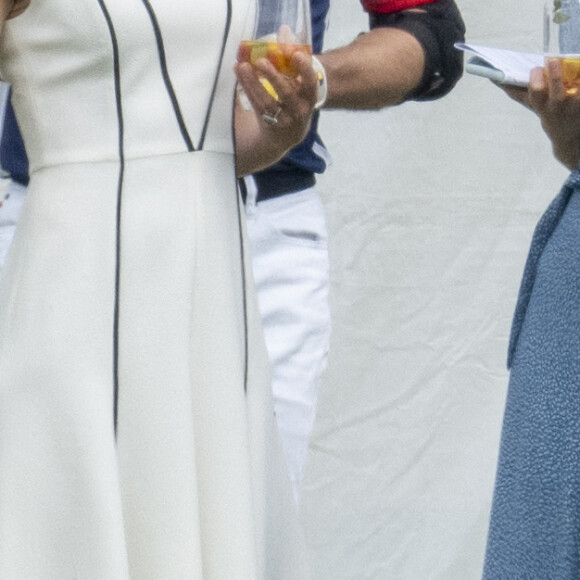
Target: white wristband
x,y
322,86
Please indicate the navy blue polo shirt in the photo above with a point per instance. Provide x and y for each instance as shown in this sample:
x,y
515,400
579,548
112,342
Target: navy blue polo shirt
x,y
13,158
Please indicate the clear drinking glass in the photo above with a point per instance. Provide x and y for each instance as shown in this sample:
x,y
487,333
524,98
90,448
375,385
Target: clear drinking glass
x,y
282,28
562,40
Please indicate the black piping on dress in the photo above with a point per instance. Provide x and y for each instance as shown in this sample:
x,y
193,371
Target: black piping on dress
x,y
118,99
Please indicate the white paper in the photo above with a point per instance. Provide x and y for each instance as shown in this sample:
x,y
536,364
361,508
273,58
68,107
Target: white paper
x,y
504,66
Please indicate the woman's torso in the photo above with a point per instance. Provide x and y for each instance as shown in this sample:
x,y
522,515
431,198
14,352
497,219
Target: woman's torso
x,y
92,78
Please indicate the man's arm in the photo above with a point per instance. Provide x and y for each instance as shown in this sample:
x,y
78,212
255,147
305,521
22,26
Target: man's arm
x,y
377,69
408,54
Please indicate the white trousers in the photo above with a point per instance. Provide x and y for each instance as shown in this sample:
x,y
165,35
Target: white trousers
x,y
12,197
290,261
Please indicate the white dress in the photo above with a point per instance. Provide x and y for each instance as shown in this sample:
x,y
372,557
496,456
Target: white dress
x,y
137,438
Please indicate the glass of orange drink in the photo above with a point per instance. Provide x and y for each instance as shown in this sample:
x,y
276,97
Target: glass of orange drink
x,y
562,40
282,27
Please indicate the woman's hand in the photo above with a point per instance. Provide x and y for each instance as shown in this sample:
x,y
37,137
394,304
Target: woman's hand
x,y
272,126
558,112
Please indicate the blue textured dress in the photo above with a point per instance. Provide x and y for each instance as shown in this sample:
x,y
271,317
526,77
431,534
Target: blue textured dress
x,y
535,523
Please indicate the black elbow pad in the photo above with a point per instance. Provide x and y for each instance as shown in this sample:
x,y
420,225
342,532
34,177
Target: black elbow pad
x,y
437,26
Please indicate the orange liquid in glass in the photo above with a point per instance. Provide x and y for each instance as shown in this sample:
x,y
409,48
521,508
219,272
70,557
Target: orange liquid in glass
x,y
280,55
570,66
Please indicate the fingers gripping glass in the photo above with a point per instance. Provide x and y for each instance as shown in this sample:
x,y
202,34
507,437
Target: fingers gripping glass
x,y
282,28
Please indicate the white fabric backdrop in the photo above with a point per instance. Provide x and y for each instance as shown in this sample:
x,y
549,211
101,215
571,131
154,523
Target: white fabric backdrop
x,y
430,208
